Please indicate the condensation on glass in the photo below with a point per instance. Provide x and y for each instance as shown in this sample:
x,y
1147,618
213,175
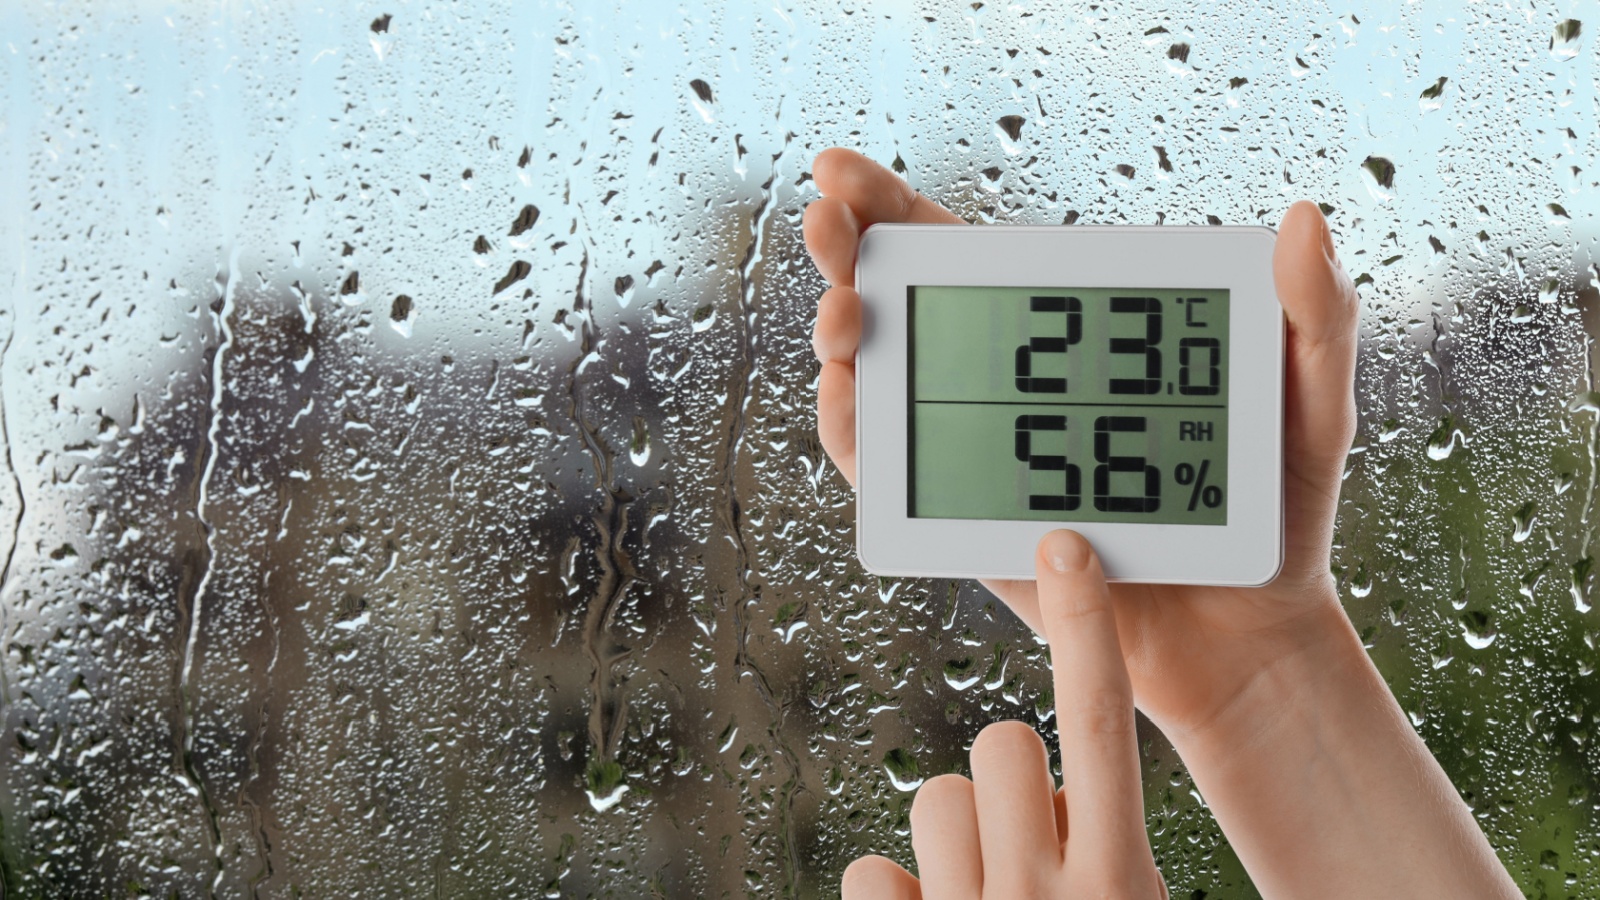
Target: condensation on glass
x,y
411,482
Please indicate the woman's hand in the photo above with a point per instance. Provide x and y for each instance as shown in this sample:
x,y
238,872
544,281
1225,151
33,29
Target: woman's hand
x,y
1009,832
1191,651
1321,784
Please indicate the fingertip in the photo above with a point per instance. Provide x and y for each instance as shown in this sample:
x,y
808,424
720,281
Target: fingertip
x,y
1303,214
1072,586
873,191
940,799
1316,294
1302,233
944,836
831,164
1065,551
877,878
1000,744
1306,224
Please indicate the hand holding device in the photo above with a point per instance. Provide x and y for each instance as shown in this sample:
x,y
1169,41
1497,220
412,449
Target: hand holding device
x,y
1191,649
1312,769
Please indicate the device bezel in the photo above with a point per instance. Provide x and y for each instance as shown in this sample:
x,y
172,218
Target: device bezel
x,y
1247,551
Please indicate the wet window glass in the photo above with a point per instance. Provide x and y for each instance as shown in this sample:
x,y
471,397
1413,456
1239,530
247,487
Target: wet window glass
x,y
411,482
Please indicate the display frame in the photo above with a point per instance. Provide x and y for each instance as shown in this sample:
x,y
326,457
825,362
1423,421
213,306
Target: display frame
x,y
1246,551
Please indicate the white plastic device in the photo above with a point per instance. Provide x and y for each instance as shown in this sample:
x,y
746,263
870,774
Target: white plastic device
x,y
1122,381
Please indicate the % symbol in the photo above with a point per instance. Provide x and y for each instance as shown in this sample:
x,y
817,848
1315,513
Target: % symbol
x,y
1209,494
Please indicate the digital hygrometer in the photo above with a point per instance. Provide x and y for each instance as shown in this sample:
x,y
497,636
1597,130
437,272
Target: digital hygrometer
x,y
1126,382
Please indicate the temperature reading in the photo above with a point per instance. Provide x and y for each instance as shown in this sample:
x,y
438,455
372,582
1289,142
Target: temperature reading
x,y
1189,351
1199,358
1055,343
1147,346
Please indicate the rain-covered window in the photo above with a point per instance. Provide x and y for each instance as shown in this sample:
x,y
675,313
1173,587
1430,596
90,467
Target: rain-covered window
x,y
411,482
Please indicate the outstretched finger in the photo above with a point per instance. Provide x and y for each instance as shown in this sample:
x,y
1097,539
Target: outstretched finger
x,y
1017,822
1094,706
873,193
944,834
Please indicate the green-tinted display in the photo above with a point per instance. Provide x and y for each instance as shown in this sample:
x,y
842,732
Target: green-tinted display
x,y
1069,404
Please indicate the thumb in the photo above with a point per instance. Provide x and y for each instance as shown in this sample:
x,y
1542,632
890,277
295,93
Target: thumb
x,y
1321,306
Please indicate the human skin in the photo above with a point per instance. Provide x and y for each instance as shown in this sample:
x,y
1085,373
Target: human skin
x,y
1314,773
1008,832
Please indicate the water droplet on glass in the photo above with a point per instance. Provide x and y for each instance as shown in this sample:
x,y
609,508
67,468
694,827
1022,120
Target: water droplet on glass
x,y
603,779
704,316
1565,39
1478,628
962,673
1444,439
1523,520
902,769
1009,130
702,99
1433,96
1378,174
1579,586
639,447
1587,401
402,313
1235,92
521,232
1361,583
1178,60
380,38
518,271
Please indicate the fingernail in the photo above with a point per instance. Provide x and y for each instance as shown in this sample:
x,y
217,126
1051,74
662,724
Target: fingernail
x,y
1066,551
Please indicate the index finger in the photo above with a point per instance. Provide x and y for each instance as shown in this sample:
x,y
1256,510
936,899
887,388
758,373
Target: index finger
x,y
873,193
1094,701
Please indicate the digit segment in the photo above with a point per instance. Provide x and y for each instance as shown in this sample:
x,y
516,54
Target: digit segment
x,y
1068,404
